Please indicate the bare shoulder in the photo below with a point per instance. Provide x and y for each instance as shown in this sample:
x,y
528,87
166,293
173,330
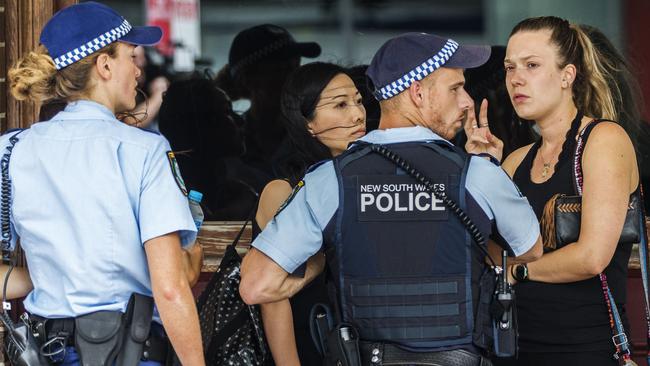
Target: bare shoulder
x,y
515,158
609,148
273,195
609,132
609,139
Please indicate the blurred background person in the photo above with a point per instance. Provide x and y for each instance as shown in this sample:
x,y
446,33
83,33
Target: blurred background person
x,y
260,60
204,132
152,83
628,101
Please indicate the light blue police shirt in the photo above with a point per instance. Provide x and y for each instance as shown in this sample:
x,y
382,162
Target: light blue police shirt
x,y
88,191
295,234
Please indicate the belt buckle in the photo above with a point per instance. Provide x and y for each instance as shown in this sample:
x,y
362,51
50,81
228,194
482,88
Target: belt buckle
x,y
619,339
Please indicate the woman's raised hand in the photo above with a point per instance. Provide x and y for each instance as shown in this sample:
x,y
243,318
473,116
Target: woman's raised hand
x,y
479,138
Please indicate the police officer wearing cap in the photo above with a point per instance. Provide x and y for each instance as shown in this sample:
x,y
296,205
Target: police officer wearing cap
x,y
404,272
99,206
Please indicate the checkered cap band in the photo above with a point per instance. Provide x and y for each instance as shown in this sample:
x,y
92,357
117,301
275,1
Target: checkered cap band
x,y
98,43
420,72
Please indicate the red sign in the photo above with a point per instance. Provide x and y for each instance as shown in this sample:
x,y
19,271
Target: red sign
x,y
159,13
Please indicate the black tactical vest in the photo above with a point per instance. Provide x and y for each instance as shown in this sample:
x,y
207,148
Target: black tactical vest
x,y
401,264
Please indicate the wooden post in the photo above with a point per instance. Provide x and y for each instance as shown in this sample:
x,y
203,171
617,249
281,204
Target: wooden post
x,y
23,22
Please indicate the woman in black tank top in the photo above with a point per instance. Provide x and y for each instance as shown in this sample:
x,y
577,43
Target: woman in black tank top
x,y
551,72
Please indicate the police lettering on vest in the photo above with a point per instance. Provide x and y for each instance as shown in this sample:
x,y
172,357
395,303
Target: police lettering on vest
x,y
398,198
400,260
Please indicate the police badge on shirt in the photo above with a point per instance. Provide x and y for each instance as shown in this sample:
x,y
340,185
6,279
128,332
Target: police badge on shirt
x,y
176,172
398,198
293,194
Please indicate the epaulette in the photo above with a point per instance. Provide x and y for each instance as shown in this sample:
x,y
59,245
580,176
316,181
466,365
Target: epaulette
x,y
13,130
316,165
150,131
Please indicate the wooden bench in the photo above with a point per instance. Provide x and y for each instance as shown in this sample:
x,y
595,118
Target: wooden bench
x,y
215,236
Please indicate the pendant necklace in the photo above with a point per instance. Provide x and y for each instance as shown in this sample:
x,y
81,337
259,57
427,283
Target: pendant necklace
x,y
546,165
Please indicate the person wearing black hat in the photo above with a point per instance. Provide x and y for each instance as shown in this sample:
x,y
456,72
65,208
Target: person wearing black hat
x,y
260,60
99,205
408,283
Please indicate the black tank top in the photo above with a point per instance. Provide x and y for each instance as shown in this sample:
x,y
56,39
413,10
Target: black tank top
x,y
565,317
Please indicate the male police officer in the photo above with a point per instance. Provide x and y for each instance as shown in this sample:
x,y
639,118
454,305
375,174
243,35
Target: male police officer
x,y
406,275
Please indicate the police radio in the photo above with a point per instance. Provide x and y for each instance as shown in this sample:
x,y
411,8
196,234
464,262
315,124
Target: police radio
x,y
503,313
503,302
21,346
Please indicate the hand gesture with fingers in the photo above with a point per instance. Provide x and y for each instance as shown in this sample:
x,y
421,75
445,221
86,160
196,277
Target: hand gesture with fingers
x,y
479,138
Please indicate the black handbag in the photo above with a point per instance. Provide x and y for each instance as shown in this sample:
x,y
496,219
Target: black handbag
x,y
560,221
565,212
232,331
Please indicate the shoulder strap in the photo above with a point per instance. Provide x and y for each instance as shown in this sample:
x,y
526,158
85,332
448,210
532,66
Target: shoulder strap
x,y
580,147
359,149
619,335
250,217
448,152
643,262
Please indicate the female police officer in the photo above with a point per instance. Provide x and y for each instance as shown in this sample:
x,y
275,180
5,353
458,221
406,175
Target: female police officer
x,y
99,206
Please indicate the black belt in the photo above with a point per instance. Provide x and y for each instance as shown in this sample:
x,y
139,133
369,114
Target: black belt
x,y
376,354
156,347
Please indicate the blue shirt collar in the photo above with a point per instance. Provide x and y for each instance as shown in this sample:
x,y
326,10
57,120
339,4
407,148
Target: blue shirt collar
x,y
85,109
402,134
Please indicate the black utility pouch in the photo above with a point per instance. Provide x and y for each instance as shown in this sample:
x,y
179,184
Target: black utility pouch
x,y
98,337
343,344
483,336
137,323
320,325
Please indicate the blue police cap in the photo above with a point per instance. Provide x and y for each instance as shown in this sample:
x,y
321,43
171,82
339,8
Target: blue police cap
x,y
79,30
413,56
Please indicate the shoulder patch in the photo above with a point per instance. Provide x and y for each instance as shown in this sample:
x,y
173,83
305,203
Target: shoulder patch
x,y
176,171
293,194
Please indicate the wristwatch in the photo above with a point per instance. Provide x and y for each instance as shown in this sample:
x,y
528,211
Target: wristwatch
x,y
520,272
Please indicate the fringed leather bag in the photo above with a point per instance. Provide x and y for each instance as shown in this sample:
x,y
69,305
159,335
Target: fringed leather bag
x,y
561,220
